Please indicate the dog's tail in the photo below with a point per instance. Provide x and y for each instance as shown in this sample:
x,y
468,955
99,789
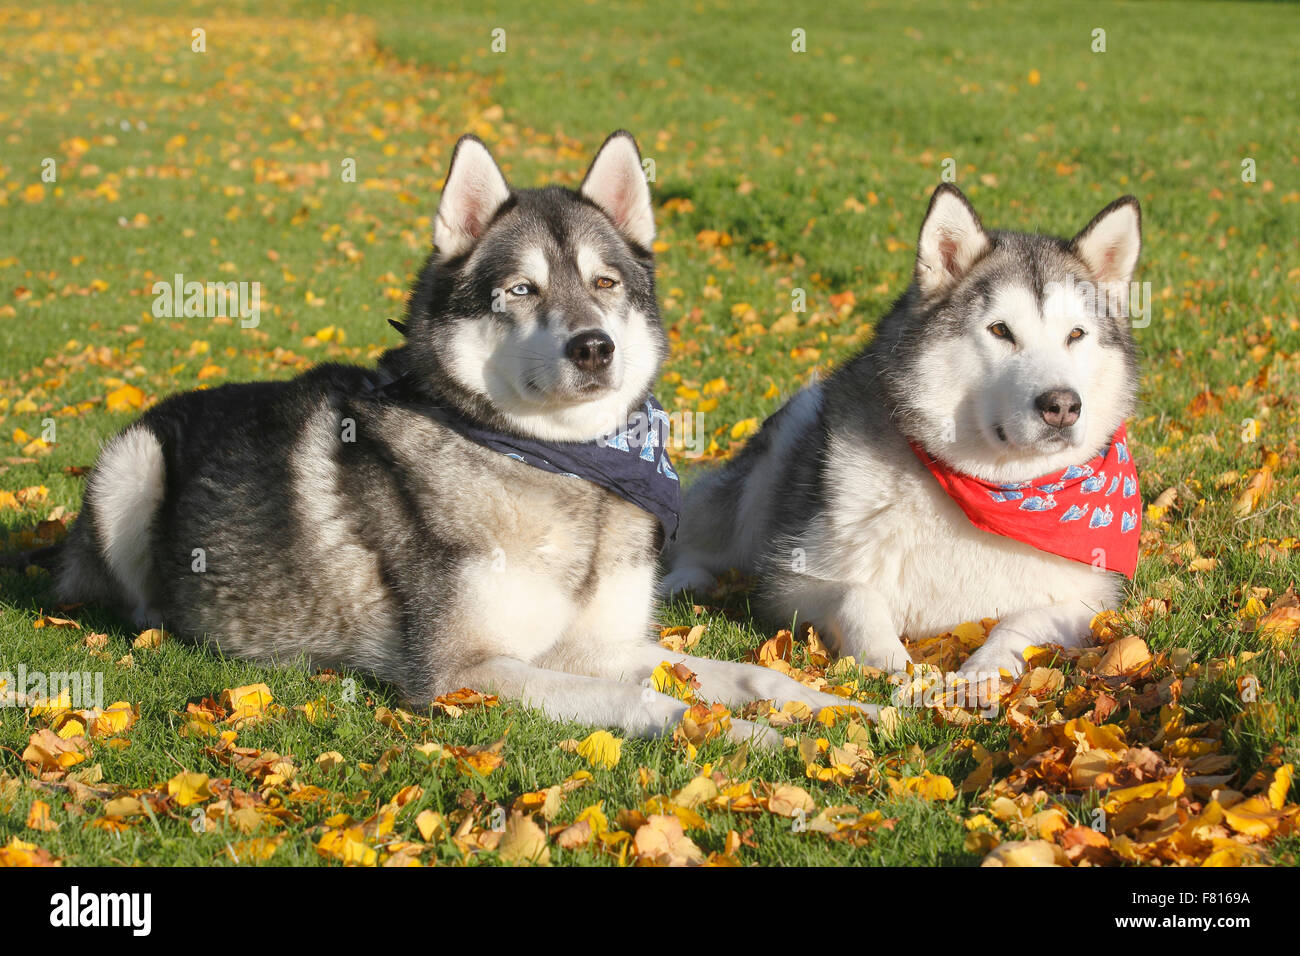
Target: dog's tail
x,y
47,558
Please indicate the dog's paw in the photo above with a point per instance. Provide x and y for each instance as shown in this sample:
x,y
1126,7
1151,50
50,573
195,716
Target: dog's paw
x,y
870,711
684,579
993,657
889,655
756,735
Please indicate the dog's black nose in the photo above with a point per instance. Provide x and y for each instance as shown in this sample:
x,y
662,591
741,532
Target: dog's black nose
x,y
590,351
1059,407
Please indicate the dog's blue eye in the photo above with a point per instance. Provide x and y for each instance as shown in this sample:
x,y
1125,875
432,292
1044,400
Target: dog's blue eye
x,y
522,288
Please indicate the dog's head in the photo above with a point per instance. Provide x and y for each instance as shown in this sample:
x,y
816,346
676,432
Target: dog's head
x,y
1016,351
536,310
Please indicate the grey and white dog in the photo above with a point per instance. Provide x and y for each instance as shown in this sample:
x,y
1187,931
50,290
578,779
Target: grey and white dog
x,y
840,520
329,518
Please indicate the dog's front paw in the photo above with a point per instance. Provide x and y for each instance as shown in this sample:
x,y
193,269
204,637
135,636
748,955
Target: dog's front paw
x,y
870,712
684,579
756,735
996,655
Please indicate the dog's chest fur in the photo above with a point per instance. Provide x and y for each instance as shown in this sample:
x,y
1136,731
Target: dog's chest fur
x,y
893,525
860,507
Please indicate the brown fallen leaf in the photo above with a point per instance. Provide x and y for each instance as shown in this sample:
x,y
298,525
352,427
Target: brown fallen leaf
x,y
46,620
38,817
524,842
1279,624
786,801
1125,656
662,841
47,751
574,836
1259,486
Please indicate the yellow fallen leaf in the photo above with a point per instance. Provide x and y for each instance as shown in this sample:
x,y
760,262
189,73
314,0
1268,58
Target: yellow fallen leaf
x,y
121,807
928,786
118,719
20,853
744,428
1280,787
1257,817
189,788
431,825
601,749
124,399
258,848
250,700
149,639
546,801
38,817
1027,853
348,845
1260,484
1281,622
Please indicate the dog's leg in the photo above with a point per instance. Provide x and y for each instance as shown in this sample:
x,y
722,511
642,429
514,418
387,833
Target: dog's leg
x,y
607,641
687,576
1066,624
853,618
610,642
639,711
726,682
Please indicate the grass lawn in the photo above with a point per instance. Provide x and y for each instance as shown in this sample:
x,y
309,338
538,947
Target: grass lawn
x,y
775,170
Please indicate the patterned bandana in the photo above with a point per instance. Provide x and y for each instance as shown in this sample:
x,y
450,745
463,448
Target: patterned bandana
x,y
1076,513
632,463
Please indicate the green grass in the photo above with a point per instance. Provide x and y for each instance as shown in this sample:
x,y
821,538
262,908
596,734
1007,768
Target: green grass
x,y
816,165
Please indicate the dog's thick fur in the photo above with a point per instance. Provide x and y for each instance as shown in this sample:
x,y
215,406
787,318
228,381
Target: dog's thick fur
x,y
319,519
841,522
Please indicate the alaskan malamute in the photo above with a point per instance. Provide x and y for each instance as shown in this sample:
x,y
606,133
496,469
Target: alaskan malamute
x,y
482,509
971,462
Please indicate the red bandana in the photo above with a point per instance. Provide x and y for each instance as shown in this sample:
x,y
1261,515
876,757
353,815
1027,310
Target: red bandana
x,y
1084,508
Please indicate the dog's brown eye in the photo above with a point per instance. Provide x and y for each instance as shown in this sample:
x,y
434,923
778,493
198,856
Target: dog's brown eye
x,y
1001,331
605,282
1077,334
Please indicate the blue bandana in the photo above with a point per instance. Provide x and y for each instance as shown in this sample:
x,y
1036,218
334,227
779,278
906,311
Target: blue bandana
x,y
632,463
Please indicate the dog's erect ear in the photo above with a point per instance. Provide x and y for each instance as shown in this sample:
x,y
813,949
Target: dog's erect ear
x,y
952,240
616,183
474,191
1109,245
